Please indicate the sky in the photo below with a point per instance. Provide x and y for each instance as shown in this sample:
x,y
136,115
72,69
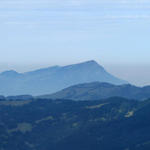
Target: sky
x,y
42,33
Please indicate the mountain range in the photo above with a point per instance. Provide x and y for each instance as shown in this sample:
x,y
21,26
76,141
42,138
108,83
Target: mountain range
x,y
96,110
98,90
53,79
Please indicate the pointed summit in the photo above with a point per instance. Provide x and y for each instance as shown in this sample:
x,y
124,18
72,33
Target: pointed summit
x,y
87,65
91,65
90,62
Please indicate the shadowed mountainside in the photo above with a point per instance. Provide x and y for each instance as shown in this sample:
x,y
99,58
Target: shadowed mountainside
x,y
114,123
97,90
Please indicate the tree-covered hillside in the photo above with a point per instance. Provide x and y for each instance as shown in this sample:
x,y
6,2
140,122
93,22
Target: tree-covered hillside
x,y
115,123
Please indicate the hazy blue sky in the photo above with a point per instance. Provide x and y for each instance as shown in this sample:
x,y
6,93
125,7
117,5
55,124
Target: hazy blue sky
x,y
39,33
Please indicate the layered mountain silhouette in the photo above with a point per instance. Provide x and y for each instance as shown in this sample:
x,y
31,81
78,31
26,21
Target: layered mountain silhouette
x,y
53,79
97,91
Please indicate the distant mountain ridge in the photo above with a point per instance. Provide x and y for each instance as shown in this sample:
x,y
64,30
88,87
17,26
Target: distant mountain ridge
x,y
97,91
53,79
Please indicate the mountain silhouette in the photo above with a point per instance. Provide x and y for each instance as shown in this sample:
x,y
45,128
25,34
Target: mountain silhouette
x,y
53,79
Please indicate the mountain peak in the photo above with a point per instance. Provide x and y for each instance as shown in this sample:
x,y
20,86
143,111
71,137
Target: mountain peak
x,y
87,64
90,62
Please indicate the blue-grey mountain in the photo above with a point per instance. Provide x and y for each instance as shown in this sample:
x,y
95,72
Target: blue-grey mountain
x,y
53,79
97,91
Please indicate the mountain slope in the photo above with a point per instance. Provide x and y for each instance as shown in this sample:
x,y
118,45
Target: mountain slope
x,y
114,123
97,90
52,79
